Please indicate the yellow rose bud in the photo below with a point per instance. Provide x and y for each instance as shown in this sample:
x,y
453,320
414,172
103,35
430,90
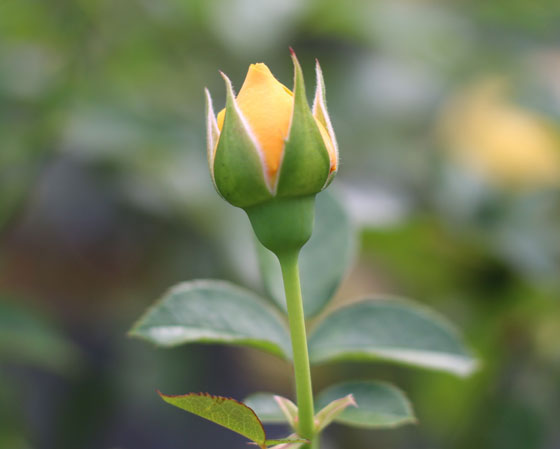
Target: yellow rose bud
x,y
267,105
270,154
268,121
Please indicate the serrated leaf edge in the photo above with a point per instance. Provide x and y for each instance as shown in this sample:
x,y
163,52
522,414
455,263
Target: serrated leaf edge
x,y
219,398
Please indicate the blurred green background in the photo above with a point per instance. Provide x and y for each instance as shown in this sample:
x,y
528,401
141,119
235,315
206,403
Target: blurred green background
x,y
448,117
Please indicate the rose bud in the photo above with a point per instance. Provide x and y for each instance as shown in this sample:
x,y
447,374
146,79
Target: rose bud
x,y
270,153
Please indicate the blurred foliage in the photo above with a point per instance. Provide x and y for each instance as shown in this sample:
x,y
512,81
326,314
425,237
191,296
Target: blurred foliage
x,y
105,201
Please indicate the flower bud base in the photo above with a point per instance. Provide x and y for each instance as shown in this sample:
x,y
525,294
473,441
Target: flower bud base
x,y
283,225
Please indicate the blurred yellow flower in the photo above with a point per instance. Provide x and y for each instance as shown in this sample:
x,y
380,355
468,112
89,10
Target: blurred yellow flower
x,y
508,145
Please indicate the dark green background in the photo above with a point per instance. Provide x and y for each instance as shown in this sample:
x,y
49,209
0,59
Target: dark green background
x,y
105,201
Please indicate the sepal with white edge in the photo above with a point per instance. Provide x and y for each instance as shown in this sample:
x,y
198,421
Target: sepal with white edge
x,y
321,114
305,163
238,164
212,133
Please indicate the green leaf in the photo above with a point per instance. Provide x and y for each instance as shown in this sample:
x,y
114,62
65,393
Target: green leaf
x,y
266,407
206,311
378,404
392,330
323,261
226,412
332,410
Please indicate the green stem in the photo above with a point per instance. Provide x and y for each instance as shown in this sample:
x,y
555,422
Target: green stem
x,y
304,391
315,443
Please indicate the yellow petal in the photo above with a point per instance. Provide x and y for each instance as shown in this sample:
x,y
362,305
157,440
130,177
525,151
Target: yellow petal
x,y
267,106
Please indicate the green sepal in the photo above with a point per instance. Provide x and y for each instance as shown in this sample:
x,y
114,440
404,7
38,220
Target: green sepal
x,y
306,163
283,225
321,114
212,134
239,172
